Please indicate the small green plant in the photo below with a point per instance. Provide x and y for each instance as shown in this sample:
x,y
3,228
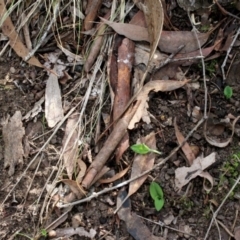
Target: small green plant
x,y
156,193
211,67
44,233
228,92
143,149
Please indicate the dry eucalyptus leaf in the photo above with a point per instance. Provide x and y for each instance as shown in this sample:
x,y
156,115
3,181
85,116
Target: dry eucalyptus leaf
x,y
156,86
154,16
53,101
70,145
13,132
15,41
184,175
169,42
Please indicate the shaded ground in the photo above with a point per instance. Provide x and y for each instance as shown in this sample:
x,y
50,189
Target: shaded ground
x,y
189,210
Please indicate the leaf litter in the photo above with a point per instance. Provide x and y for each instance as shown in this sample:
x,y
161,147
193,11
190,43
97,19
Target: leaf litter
x,y
132,114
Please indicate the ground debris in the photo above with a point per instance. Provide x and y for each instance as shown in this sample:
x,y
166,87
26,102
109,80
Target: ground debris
x,y
13,132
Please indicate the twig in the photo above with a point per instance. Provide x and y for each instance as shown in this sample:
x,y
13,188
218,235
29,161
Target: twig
x,y
225,228
220,206
228,52
225,11
162,224
203,67
216,222
105,190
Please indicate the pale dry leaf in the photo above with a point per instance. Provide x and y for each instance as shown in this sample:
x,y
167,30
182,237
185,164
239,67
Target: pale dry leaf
x,y
115,177
184,175
215,142
70,145
156,86
53,101
13,132
154,16
68,232
16,43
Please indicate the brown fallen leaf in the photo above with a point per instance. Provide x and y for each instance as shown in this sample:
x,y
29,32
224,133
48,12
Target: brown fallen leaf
x,y
154,15
15,42
75,188
13,132
109,146
156,86
91,13
170,41
134,225
70,145
115,177
186,148
184,175
53,101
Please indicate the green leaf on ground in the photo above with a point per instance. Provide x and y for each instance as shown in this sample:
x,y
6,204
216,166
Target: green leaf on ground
x,y
228,92
140,148
156,193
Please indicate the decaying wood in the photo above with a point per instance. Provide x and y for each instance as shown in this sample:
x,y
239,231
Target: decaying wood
x,y
111,143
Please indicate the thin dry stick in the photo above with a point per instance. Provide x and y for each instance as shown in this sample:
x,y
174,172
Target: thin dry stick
x,y
164,225
203,67
105,190
225,228
220,206
228,52
216,222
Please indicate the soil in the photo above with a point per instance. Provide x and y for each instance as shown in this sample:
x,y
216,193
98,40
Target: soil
x,y
189,210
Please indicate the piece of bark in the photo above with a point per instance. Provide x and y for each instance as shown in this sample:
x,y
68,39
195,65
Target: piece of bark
x,y
125,62
13,132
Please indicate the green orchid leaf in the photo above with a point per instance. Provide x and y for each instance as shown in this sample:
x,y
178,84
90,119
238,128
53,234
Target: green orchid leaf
x,y
156,191
158,203
228,92
140,148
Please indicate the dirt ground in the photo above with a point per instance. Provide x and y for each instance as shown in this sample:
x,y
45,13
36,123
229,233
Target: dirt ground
x,y
186,214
